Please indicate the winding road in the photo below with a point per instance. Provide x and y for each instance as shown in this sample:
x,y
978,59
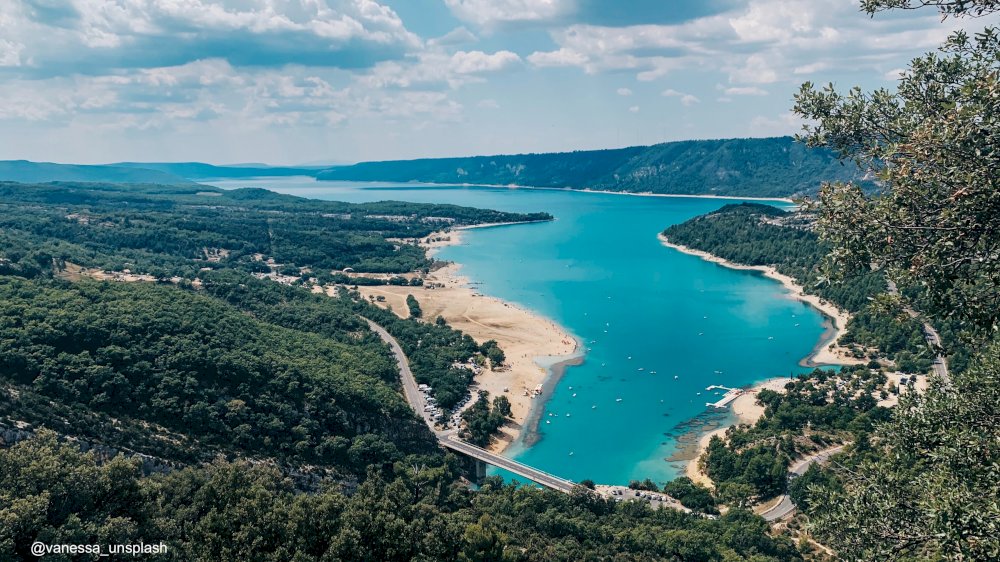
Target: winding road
x,y
940,365
785,507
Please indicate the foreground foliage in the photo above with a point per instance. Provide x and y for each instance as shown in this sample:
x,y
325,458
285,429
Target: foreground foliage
x,y
225,512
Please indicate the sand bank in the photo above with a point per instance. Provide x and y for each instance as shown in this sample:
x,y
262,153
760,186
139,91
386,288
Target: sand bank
x,y
523,335
827,351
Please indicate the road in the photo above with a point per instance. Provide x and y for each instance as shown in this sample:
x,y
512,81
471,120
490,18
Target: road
x,y
410,390
449,438
940,365
785,507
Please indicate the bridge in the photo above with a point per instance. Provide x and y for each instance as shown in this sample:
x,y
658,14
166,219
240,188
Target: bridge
x,y
449,438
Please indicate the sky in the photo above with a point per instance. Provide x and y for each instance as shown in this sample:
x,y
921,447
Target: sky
x,y
337,81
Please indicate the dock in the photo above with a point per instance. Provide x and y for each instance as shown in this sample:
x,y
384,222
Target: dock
x,y
730,395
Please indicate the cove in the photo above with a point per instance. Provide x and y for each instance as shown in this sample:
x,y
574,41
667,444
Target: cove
x,y
656,326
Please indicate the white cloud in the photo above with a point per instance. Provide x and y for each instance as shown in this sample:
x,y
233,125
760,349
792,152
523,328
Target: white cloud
x,y
434,68
10,53
488,103
490,12
894,74
634,109
783,124
746,91
686,99
471,62
458,36
624,92
100,35
754,69
562,57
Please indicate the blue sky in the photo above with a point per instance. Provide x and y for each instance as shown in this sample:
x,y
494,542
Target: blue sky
x,y
298,81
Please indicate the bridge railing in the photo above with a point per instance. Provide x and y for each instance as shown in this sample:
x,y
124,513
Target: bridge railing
x,y
488,455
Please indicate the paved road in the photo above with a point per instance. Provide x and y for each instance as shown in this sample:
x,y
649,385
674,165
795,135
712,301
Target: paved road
x,y
785,507
940,364
410,390
449,439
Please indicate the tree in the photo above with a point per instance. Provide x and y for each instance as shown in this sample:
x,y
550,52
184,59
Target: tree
x,y
414,306
934,146
935,485
947,7
926,487
502,405
491,349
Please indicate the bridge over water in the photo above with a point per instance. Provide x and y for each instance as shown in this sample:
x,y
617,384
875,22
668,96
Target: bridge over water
x,y
449,438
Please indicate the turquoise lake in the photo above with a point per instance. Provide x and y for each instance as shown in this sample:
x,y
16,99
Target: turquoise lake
x,y
600,272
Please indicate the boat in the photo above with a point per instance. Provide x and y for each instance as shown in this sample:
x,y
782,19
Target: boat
x,y
618,400
642,368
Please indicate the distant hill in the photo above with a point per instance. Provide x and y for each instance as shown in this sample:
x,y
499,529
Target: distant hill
x,y
41,172
770,167
202,171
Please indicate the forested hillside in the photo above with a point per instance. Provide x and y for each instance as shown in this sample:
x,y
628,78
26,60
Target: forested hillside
x,y
201,171
771,167
40,172
174,230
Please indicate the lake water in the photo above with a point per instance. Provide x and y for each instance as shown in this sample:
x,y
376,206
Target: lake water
x,y
636,306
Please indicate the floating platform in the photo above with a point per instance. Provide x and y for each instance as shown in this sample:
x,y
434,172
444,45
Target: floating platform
x,y
731,394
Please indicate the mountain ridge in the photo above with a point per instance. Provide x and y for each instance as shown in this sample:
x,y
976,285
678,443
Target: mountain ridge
x,y
763,167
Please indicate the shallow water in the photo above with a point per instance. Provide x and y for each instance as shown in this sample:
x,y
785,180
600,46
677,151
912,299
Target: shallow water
x,y
657,326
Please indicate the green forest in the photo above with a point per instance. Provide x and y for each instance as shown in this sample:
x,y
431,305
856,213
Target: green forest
x,y
768,167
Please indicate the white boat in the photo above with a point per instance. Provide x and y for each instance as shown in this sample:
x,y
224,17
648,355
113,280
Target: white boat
x,y
618,400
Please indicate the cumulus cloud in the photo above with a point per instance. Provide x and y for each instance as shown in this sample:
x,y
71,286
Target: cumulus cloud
x,y
745,91
471,62
490,12
97,35
753,42
458,36
624,92
435,68
562,57
686,99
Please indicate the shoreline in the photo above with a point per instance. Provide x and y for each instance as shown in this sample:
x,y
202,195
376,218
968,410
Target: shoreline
x,y
538,350
826,351
743,411
573,189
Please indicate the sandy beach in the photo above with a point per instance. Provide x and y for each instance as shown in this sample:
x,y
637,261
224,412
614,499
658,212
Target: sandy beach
x,y
522,334
827,351
747,411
